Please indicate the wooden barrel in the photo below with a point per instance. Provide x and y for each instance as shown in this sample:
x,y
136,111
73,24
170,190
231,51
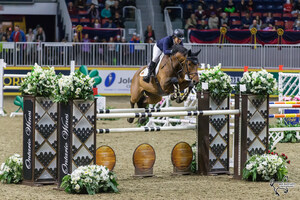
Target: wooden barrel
x,y
143,160
106,156
182,156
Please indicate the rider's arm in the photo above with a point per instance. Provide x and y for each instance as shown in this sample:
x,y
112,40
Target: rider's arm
x,y
166,47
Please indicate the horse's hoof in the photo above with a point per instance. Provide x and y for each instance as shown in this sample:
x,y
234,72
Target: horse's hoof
x,y
130,120
172,98
142,120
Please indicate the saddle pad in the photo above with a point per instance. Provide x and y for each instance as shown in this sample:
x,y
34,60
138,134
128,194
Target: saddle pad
x,y
145,71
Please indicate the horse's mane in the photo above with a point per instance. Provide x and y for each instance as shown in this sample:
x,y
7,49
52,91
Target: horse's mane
x,y
179,48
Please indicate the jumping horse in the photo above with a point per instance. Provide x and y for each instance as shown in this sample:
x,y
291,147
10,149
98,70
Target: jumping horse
x,y
176,72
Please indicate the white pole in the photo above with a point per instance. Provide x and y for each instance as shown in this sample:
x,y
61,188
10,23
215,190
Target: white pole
x,y
72,67
284,106
169,114
2,66
131,110
15,75
146,129
11,87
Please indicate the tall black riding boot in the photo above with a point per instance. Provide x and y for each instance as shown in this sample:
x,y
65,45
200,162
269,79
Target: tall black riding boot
x,y
151,69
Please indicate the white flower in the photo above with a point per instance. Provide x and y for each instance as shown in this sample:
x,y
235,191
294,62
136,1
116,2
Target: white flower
x,y
77,187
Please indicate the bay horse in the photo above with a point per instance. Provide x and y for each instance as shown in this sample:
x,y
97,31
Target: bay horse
x,y
171,78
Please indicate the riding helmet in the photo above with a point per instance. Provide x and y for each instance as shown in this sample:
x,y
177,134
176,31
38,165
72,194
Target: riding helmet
x,y
178,33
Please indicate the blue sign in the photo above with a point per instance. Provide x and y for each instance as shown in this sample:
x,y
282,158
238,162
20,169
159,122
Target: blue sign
x,y
292,120
110,79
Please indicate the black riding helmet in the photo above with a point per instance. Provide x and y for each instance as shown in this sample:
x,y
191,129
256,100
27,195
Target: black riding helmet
x,y
178,33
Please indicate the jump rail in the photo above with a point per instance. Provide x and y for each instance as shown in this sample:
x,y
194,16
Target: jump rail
x,y
147,110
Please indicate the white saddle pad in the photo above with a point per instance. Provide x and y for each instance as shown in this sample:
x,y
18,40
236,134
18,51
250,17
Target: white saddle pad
x,y
145,71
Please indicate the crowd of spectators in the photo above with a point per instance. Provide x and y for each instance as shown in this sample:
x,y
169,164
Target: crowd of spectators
x,y
233,14
17,35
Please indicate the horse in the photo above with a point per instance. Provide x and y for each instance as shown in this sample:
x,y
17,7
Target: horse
x,y
171,78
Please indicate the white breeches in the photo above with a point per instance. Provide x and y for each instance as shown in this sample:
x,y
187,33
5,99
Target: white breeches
x,y
156,54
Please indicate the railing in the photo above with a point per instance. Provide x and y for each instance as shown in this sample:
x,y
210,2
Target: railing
x,y
168,23
66,20
139,54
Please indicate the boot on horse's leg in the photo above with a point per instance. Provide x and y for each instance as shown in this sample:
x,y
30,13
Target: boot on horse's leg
x,y
176,86
151,69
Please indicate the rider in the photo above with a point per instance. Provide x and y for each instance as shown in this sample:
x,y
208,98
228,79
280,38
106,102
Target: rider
x,y
164,46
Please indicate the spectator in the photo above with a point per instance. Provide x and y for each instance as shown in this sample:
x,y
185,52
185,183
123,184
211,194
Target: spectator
x,y
123,40
166,4
246,22
36,29
230,7
219,6
134,39
200,13
30,36
75,37
254,25
122,3
270,27
72,9
109,3
4,38
287,7
93,12
250,6
105,13
209,11
188,11
118,39
86,49
242,7
296,7
202,25
191,22
297,24
151,40
97,24
80,4
258,20
213,21
224,19
116,8
200,3
40,35
149,33
109,24
269,19
96,3
17,35
118,20
2,34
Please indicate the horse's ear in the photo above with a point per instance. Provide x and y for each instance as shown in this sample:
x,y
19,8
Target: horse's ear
x,y
196,53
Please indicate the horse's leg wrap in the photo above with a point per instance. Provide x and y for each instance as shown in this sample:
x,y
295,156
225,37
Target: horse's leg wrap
x,y
187,92
176,86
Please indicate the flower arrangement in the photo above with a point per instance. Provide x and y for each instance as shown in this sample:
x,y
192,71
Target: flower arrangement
x,y
75,86
218,81
260,83
11,170
295,98
39,82
265,167
90,179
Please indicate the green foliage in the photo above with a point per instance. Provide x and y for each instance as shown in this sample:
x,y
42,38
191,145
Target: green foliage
x,y
93,74
19,102
11,170
289,136
194,164
90,180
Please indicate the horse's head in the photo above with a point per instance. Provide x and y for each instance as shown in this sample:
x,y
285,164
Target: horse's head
x,y
192,66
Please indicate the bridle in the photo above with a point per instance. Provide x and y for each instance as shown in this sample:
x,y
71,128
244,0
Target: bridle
x,y
182,66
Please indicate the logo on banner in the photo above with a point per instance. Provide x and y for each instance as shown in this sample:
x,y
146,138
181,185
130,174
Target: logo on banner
x,y
65,136
110,79
28,127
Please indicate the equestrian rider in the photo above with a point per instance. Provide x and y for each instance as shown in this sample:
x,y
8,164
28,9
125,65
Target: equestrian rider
x,y
164,46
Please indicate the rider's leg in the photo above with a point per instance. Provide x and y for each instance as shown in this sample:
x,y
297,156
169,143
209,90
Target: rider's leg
x,y
151,68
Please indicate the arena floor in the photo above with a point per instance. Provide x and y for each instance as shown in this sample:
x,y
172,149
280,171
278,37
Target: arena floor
x,y
163,185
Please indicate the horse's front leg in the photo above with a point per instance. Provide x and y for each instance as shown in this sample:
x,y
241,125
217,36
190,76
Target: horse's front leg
x,y
176,92
189,86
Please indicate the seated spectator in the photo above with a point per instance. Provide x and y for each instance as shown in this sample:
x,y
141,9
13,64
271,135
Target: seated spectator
x,y
219,6
105,13
225,25
17,35
213,21
269,19
287,7
250,6
97,24
80,4
242,7
297,24
109,3
191,22
200,13
149,33
224,19
258,20
115,8
254,25
202,26
188,11
209,11
270,27
230,7
109,24
72,9
296,7
246,21
118,20
40,35
200,3
93,12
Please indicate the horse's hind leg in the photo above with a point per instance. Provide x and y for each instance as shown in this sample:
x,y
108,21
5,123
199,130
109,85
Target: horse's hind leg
x,y
141,104
130,120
